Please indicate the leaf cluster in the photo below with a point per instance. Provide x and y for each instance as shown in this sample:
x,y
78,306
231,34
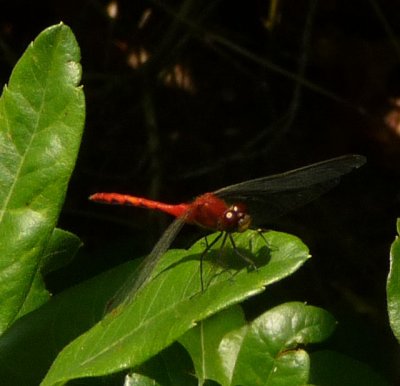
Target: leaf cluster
x,y
171,332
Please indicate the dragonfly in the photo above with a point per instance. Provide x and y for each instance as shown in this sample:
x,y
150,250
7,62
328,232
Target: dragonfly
x,y
234,208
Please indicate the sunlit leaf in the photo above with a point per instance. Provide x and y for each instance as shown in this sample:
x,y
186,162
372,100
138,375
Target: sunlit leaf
x,y
41,122
172,303
393,286
270,350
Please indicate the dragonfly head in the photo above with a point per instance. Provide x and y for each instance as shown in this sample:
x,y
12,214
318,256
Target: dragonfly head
x,y
236,219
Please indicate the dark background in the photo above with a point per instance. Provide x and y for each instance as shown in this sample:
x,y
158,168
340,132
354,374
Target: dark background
x,y
185,97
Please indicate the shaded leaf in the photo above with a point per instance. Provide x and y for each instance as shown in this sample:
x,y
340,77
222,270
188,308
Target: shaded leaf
x,y
60,250
171,367
329,368
202,342
34,340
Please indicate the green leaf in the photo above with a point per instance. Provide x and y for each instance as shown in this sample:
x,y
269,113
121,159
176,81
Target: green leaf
x,y
172,303
41,122
267,351
202,342
139,380
60,250
393,286
34,340
329,368
171,366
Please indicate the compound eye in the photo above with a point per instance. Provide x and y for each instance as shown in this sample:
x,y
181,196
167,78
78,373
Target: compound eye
x,y
230,217
240,209
236,219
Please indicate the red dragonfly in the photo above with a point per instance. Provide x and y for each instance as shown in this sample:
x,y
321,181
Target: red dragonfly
x,y
236,207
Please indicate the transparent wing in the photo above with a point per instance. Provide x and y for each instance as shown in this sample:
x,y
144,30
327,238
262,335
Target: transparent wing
x,y
143,273
273,196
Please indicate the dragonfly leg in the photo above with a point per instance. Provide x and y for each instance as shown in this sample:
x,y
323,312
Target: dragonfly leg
x,y
208,247
261,234
241,255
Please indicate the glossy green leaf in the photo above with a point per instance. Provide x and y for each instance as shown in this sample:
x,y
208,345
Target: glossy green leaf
x,y
269,350
172,303
393,285
41,122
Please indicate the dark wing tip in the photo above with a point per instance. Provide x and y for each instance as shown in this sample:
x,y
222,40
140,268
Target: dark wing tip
x,y
358,159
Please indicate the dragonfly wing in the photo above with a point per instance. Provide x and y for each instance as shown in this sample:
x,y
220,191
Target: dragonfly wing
x,y
303,177
281,193
143,273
